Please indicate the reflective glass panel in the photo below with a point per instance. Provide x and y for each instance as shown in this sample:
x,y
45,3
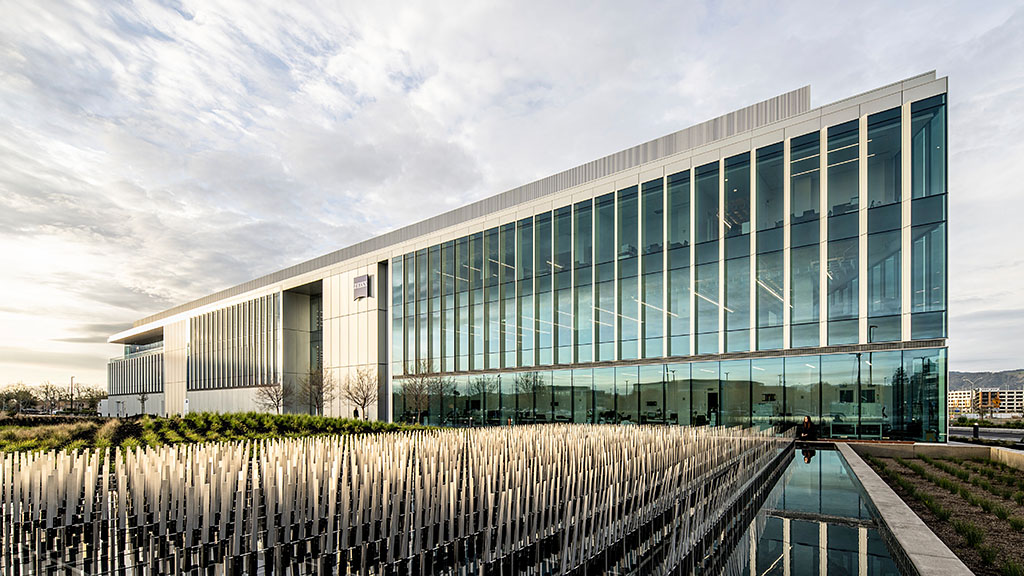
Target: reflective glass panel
x,y
737,195
706,225
769,301
583,395
928,268
843,181
804,178
707,308
653,217
736,390
884,167
677,394
919,407
652,395
770,187
928,138
768,391
804,298
679,210
705,394
561,396
604,395
679,311
627,389
879,372
803,390
629,290
839,395
884,274
737,304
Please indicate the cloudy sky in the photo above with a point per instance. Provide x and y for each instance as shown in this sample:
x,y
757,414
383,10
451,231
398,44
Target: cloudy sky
x,y
151,153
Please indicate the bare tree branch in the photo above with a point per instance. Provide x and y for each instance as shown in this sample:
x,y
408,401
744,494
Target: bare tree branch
x,y
360,389
318,389
273,396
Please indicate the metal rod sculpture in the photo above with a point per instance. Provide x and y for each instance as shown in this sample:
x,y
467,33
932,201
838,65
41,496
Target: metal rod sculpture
x,y
546,499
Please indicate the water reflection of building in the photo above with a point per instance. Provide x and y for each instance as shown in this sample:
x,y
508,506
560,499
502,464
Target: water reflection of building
x,y
775,263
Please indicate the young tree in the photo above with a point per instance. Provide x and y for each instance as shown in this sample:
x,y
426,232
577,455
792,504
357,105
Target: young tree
x,y
142,398
318,389
360,389
50,395
91,396
18,397
273,395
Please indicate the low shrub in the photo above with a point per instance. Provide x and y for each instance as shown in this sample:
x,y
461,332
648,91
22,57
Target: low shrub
x,y
1010,567
988,554
1017,523
1001,512
970,532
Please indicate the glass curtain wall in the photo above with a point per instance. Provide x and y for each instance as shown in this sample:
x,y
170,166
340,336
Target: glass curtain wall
x,y
604,277
805,255
652,310
843,229
526,330
583,301
706,283
562,324
928,218
627,394
492,299
678,277
840,390
768,394
677,394
884,221
543,273
737,253
705,391
507,294
629,264
583,396
770,221
397,316
736,393
652,395
873,395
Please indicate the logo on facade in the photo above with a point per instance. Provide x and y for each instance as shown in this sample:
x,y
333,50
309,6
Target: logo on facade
x,y
361,287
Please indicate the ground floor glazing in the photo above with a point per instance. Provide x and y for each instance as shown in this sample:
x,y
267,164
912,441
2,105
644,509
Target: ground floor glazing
x,y
897,394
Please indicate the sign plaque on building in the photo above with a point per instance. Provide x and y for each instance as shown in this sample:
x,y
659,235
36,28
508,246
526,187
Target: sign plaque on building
x,y
361,287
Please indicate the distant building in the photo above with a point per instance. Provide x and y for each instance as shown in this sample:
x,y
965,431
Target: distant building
x,y
778,263
994,402
959,402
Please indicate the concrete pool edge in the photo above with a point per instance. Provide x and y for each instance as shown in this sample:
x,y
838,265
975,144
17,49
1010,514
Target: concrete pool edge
x,y
923,551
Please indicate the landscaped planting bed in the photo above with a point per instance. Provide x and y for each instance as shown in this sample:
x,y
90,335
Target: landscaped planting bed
x,y
976,507
71,433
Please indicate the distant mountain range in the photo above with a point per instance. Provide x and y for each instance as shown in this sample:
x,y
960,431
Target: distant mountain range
x,y
1007,379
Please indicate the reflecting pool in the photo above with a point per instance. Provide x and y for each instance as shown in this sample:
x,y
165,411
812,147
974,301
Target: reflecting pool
x,y
818,520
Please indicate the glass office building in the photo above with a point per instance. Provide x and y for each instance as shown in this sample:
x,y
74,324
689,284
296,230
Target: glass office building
x,y
760,287
777,263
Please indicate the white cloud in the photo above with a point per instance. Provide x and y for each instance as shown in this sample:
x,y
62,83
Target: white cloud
x,y
151,154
